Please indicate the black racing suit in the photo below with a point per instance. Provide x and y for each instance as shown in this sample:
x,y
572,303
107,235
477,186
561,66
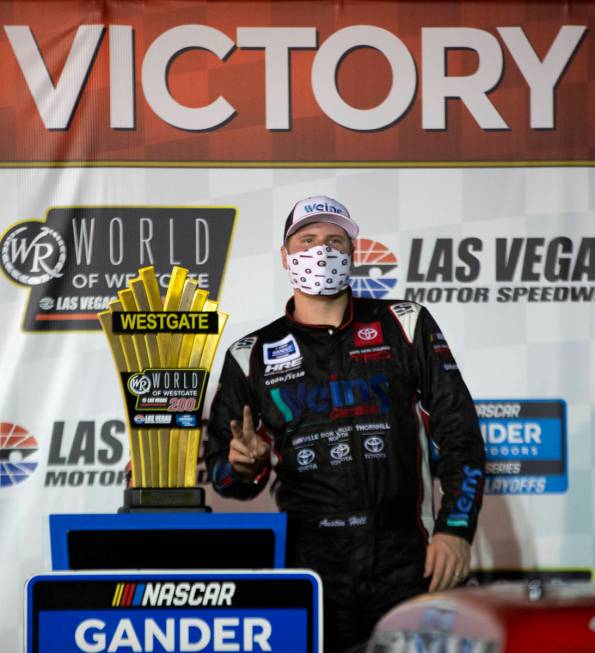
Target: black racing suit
x,y
349,412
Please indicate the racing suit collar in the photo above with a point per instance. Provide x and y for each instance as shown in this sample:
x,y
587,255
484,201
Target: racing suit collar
x,y
345,322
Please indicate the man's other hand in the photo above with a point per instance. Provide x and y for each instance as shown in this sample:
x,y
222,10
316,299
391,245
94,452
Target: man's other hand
x,y
248,452
447,561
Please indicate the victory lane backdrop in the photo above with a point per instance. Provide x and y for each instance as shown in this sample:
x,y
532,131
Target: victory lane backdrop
x,y
155,143
72,447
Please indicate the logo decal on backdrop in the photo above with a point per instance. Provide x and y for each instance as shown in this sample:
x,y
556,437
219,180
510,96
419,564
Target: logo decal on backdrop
x,y
444,270
525,445
33,254
75,261
501,270
17,445
372,261
86,454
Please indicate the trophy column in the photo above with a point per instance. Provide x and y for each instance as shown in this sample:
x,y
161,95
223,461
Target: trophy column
x,y
163,350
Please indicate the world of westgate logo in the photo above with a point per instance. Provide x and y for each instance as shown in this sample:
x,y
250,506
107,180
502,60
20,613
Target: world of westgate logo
x,y
16,446
74,261
372,261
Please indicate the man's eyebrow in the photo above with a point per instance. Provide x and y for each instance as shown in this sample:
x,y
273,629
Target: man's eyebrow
x,y
311,235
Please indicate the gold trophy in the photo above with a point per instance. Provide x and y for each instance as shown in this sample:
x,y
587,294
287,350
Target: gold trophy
x,y
163,350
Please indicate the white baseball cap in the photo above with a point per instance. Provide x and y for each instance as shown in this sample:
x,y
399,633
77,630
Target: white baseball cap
x,y
319,208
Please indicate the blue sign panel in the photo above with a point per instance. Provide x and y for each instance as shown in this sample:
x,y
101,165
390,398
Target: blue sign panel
x,y
174,613
525,445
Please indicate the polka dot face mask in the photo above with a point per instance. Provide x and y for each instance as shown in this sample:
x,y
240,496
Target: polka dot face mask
x,y
320,270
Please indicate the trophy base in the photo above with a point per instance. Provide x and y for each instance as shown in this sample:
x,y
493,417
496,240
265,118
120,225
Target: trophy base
x,y
164,499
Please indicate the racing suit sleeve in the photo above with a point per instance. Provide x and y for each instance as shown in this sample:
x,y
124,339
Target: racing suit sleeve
x,y
454,428
232,395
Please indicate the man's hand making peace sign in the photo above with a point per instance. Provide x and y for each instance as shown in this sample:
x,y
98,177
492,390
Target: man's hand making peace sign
x,y
248,452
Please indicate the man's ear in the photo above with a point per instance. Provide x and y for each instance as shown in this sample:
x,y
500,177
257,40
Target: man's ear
x,y
284,257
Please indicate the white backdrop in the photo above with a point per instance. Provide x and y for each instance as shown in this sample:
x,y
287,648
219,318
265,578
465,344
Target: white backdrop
x,y
58,383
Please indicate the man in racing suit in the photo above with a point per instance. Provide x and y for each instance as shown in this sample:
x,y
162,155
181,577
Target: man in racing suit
x,y
340,397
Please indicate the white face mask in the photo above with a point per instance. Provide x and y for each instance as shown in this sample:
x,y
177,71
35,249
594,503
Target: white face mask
x,y
320,270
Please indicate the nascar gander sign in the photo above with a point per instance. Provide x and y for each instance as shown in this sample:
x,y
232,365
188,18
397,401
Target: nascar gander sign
x,y
210,612
525,445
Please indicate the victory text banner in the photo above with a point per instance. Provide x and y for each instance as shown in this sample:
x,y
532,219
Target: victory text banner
x,y
304,81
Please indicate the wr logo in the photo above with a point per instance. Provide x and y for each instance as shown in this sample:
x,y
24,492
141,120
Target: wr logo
x,y
32,253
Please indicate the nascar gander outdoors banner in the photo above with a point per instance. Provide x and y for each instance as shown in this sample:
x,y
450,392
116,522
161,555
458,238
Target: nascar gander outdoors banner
x,y
166,133
252,611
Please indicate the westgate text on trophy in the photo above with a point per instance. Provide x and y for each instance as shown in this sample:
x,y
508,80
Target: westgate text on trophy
x,y
164,350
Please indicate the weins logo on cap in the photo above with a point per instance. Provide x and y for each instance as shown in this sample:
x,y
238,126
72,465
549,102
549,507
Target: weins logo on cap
x,y
319,208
